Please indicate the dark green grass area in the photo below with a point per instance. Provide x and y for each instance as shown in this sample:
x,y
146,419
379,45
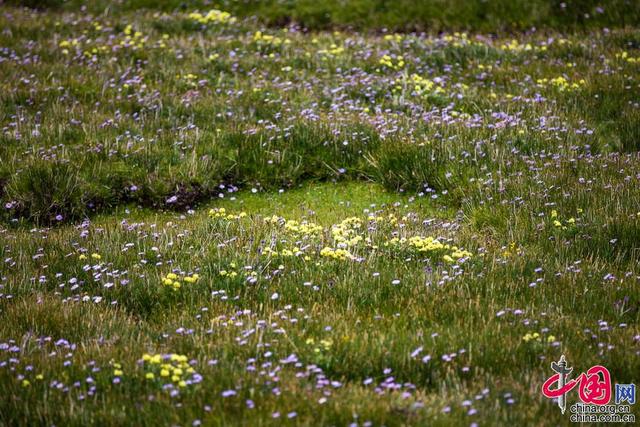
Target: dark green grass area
x,y
399,15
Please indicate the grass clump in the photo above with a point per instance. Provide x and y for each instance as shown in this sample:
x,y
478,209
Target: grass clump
x,y
47,192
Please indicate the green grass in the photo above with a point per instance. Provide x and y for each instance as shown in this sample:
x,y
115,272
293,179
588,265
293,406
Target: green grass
x,y
336,156
403,15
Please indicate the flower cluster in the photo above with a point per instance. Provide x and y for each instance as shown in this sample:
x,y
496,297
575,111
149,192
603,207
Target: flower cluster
x,y
214,16
624,56
536,337
170,371
561,83
263,39
174,281
430,245
423,86
303,228
563,224
392,63
332,51
347,233
221,213
338,254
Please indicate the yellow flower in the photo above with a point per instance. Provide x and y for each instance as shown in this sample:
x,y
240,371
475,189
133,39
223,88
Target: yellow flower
x,y
326,344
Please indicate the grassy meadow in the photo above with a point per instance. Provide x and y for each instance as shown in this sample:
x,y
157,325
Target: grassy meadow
x,y
315,213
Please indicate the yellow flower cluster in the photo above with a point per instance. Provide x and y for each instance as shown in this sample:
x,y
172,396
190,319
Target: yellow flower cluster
x,y
430,245
132,38
267,39
389,220
389,62
296,228
96,50
173,367
558,224
425,244
231,272
334,50
459,253
456,40
221,213
394,37
66,44
173,280
325,345
423,86
537,338
303,228
214,16
274,219
295,251
346,233
117,369
515,46
190,79
560,83
338,254
630,59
